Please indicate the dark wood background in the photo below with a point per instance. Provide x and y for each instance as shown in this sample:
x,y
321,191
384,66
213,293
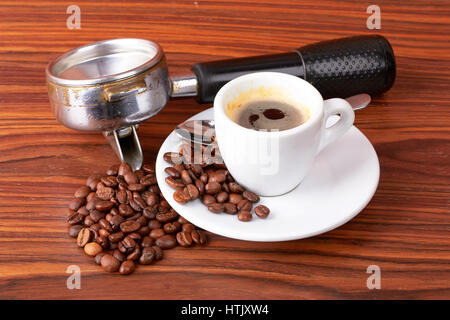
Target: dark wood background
x,y
404,230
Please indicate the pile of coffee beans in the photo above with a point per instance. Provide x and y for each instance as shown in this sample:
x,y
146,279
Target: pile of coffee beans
x,y
122,219
198,172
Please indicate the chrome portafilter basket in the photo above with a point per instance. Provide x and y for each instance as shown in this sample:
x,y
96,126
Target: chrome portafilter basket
x,y
111,86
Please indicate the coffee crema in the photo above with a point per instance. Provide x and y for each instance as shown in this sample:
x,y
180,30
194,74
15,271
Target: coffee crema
x,y
269,114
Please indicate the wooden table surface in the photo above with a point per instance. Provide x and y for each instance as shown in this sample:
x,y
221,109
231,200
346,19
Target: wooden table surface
x,y
404,230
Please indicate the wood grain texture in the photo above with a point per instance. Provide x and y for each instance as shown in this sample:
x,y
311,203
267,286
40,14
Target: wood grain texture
x,y
405,229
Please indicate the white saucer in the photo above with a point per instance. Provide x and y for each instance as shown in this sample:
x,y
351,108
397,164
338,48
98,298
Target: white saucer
x,y
341,183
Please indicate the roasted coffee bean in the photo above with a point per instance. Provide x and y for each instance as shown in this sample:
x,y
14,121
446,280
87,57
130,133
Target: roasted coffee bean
x,y
148,180
245,216
262,211
229,208
121,196
222,197
204,178
172,172
124,168
179,167
234,198
147,242
105,225
154,224
103,192
109,181
104,233
125,210
83,211
136,206
127,267
129,226
172,227
119,255
164,203
180,197
82,192
172,157
213,187
139,174
235,187
90,196
192,191
188,227
131,178
112,171
250,196
116,237
88,221
156,233
102,241
109,263
185,177
174,184
141,203
96,215
184,239
84,237
154,188
217,177
148,169
244,205
115,222
135,254
167,217
92,249
76,203
91,204
198,236
158,253
200,186
147,256
136,187
135,236
182,220
114,211
150,212
98,257
197,169
113,246
93,180
208,199
75,218
152,199
95,228
216,207
142,221
75,230
225,187
143,231
167,241
128,243
104,205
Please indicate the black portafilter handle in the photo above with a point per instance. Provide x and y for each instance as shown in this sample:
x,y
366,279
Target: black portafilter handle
x,y
337,68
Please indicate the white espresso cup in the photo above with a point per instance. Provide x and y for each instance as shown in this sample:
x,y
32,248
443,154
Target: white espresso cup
x,y
272,163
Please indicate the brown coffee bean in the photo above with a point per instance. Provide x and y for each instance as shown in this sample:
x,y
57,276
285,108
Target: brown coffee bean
x,y
225,187
136,206
262,211
172,172
188,227
213,187
112,171
136,187
140,203
185,177
174,184
156,233
109,263
82,192
116,237
154,224
119,255
83,211
96,215
92,249
152,199
131,178
229,208
250,196
76,203
173,157
102,241
74,218
200,186
115,222
235,187
150,212
104,205
92,181
84,237
121,196
244,205
180,197
235,198
245,216
104,233
147,242
182,220
75,230
95,228
167,241
148,180
129,226
91,204
88,221
184,239
208,199
198,236
217,177
109,181
167,217
204,178
216,207
129,243
147,256
148,169
158,253
127,267
124,168
222,196
105,225
98,257
192,191
125,210
172,227
103,192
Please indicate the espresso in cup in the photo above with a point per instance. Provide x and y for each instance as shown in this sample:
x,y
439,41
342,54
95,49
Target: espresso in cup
x,y
269,114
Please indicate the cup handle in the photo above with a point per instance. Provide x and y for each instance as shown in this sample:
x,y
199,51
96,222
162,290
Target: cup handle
x,y
335,106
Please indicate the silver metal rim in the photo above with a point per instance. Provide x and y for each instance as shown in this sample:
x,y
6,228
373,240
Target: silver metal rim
x,y
109,78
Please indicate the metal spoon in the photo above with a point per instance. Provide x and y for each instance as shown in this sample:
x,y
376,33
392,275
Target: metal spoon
x,y
202,131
